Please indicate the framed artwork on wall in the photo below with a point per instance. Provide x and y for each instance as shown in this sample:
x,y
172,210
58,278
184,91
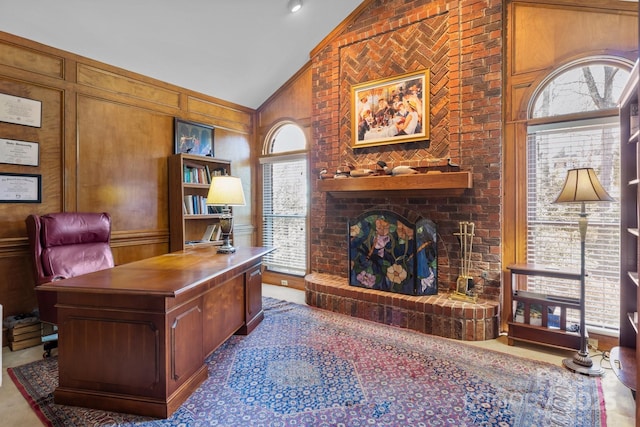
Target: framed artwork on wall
x,y
391,110
193,138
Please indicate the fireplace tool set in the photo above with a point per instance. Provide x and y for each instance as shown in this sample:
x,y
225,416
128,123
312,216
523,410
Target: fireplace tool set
x,y
464,284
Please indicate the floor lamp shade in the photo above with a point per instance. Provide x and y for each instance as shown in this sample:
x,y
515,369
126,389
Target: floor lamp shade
x,y
582,185
226,191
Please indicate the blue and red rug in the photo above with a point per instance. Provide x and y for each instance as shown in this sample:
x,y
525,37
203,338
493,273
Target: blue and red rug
x,y
307,367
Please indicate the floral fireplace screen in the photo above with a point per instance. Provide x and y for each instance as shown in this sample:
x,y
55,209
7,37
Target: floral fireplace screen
x,y
388,253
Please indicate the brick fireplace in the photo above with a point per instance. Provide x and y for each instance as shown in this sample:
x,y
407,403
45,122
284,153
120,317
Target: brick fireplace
x,y
460,43
436,313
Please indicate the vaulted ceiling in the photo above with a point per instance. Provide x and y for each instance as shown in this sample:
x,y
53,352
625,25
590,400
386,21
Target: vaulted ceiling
x,y
237,50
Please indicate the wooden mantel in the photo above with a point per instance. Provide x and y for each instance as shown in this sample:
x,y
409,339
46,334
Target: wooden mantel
x,y
430,184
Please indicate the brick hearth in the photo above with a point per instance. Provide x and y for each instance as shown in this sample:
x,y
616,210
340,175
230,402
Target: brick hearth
x,y
434,314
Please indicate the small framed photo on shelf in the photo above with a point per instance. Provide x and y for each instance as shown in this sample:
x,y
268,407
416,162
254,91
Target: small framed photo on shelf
x,y
193,138
20,188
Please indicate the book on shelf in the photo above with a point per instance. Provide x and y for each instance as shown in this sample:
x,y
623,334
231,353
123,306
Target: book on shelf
x,y
212,210
188,202
208,233
195,204
196,173
212,233
219,172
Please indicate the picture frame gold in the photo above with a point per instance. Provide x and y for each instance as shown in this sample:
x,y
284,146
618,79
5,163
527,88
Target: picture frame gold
x,y
390,110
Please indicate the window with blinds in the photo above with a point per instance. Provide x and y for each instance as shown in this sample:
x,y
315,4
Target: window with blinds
x,y
284,214
553,238
586,94
285,199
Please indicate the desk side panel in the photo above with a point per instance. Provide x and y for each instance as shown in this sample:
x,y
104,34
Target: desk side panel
x,y
224,312
112,351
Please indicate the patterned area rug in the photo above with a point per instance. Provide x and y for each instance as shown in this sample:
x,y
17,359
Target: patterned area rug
x,y
308,367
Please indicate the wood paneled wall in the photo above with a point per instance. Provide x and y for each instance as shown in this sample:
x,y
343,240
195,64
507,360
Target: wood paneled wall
x,y
105,138
541,37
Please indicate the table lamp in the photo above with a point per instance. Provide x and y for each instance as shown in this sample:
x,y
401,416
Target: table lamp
x,y
582,185
226,191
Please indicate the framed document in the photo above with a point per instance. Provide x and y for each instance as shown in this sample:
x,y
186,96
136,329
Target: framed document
x,y
20,188
19,152
21,111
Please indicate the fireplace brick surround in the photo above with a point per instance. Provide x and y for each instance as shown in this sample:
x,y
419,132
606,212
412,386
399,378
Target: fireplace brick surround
x,y
434,314
461,45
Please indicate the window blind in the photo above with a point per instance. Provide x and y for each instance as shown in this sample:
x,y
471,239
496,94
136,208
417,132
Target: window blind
x,y
285,198
553,237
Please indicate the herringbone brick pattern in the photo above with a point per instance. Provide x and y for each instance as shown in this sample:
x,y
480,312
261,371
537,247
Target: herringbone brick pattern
x,y
422,45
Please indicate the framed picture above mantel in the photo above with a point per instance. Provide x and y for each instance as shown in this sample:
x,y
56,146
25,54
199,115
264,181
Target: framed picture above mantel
x,y
391,110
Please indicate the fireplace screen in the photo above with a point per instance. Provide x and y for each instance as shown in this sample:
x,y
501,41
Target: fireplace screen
x,y
389,253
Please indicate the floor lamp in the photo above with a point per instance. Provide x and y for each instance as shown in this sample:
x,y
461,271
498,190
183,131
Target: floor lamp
x,y
582,186
226,191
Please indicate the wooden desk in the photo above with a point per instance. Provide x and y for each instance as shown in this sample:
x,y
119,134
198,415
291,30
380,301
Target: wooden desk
x,y
134,338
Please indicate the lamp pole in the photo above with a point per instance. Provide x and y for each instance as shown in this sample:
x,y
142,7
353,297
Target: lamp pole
x,y
581,362
580,186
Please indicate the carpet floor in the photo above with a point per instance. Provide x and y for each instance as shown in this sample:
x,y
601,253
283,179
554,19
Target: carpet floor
x,y
308,367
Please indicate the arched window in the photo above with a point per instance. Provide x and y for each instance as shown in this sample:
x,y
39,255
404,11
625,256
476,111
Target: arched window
x,y
573,122
285,199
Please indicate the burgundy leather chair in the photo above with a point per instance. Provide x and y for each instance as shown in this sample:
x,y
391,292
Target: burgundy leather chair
x,y
64,245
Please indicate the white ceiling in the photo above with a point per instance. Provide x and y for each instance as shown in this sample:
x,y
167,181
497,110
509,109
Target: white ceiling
x,y
236,50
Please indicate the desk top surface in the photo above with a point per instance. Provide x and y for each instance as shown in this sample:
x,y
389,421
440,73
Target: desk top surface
x,y
165,275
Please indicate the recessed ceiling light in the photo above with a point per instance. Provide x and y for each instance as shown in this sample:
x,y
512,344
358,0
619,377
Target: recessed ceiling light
x,y
294,5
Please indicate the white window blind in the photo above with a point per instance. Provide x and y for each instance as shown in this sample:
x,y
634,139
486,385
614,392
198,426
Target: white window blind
x,y
285,213
552,229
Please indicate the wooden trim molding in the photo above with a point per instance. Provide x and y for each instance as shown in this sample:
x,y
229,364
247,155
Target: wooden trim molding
x,y
425,184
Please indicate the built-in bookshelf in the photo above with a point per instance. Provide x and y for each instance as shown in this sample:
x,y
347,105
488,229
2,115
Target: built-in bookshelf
x,y
623,357
191,221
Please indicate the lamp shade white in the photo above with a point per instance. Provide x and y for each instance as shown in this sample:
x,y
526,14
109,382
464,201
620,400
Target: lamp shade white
x,y
226,190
